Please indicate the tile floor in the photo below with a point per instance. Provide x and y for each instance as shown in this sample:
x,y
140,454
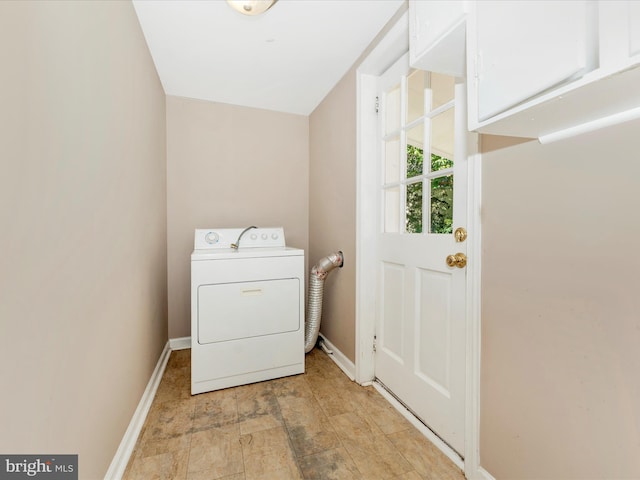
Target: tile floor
x,y
319,425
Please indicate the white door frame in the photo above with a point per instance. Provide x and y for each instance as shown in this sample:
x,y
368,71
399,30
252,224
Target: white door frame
x,y
384,54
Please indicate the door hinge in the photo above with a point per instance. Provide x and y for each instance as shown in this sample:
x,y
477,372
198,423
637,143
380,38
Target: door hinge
x,y
375,343
377,104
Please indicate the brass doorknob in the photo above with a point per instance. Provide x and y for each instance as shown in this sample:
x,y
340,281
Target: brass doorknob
x,y
458,260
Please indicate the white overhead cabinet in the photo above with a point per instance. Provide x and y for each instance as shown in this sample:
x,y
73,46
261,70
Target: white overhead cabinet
x,y
634,27
523,50
536,68
437,36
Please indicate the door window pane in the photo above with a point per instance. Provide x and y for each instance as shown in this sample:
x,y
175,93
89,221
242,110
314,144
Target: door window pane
x,y
413,222
415,151
392,160
442,89
442,134
416,84
441,204
392,110
440,163
415,136
392,210
415,160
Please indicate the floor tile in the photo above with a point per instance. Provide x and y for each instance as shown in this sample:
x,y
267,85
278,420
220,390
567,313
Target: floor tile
x,y
333,404
354,426
412,475
175,385
256,402
279,465
384,415
313,438
333,464
215,410
257,406
424,457
217,451
300,411
372,446
258,409
377,457
204,475
372,452
162,432
264,442
179,359
267,454
294,386
166,466
244,392
259,423
169,421
151,446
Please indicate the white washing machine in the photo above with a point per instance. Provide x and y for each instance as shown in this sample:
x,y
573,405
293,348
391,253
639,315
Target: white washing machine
x,y
247,308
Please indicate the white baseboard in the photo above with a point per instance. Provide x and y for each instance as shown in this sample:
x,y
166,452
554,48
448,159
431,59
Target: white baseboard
x,y
181,343
433,438
482,473
123,454
340,359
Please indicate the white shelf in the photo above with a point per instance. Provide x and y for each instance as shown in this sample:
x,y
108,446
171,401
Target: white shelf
x,y
599,94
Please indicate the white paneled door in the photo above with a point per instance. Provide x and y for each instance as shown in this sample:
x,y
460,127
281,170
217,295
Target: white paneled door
x,y
422,198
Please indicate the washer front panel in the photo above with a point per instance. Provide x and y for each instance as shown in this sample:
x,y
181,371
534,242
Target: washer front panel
x,y
247,317
232,311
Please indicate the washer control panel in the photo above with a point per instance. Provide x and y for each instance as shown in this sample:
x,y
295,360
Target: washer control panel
x,y
219,238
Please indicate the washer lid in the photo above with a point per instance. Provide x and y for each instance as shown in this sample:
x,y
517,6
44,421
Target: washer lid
x,y
246,252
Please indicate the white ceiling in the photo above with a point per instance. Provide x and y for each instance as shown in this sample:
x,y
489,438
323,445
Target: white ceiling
x,y
286,59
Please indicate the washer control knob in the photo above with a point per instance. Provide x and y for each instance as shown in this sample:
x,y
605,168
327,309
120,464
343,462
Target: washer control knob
x,y
264,236
212,238
274,236
254,236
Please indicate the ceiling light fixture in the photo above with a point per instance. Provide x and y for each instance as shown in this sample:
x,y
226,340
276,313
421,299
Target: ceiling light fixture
x,y
251,7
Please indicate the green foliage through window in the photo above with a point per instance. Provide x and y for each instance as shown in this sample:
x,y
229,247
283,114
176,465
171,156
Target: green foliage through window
x,y
442,204
415,158
414,207
441,193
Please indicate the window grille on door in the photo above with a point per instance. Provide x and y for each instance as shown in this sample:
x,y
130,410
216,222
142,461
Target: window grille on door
x,y
418,123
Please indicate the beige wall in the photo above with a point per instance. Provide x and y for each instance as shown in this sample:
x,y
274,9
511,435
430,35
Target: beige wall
x,y
560,323
82,207
230,166
332,207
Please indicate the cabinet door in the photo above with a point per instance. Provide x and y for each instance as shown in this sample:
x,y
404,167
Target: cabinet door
x,y
524,48
634,28
437,35
619,31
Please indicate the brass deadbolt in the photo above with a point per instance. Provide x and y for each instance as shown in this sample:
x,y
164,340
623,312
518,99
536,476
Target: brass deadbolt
x,y
460,234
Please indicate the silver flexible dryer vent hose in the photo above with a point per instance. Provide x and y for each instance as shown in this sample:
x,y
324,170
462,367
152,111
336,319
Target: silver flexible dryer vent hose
x,y
314,302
